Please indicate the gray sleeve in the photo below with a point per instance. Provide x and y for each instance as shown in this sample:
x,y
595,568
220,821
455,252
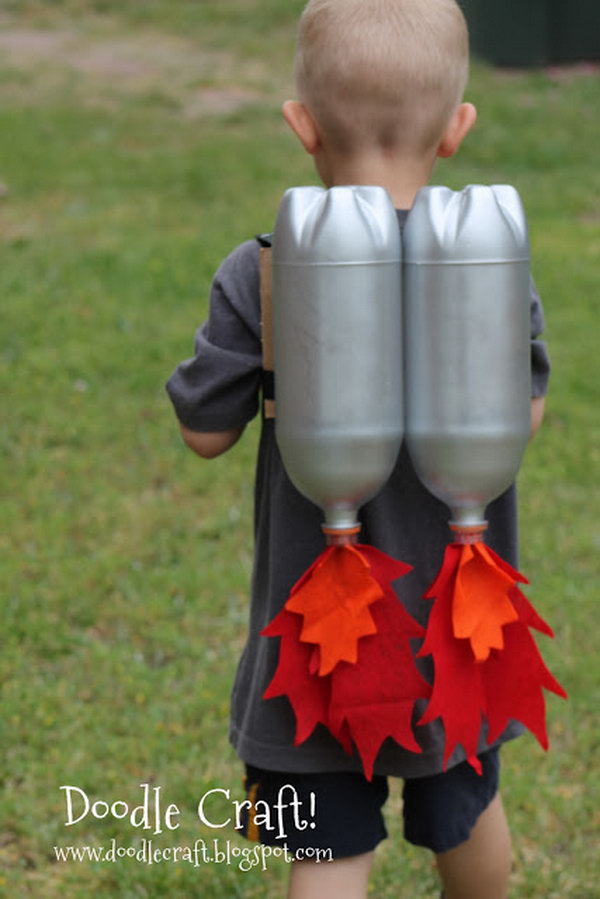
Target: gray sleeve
x,y
218,388
540,361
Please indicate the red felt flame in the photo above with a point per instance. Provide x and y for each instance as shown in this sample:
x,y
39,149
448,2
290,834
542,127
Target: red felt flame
x,y
345,659
375,698
487,665
308,694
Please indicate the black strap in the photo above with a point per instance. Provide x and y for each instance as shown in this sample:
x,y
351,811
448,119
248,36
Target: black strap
x,y
268,385
265,240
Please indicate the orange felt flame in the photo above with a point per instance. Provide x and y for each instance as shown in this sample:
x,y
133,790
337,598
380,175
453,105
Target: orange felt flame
x,y
481,604
334,603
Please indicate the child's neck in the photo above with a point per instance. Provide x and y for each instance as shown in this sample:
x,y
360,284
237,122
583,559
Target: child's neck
x,y
401,177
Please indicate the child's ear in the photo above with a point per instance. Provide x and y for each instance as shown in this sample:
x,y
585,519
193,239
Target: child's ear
x,y
302,124
463,119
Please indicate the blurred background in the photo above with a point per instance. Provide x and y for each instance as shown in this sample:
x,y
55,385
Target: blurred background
x,y
139,142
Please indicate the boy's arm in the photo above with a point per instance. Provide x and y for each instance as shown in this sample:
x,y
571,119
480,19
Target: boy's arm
x,y
216,392
537,414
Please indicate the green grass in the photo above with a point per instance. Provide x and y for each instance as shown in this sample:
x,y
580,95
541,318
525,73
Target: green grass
x,y
126,559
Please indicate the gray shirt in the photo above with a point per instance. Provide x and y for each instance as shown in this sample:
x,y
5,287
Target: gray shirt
x,y
219,389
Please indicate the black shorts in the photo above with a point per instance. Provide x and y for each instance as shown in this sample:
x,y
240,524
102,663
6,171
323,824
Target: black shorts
x,y
342,811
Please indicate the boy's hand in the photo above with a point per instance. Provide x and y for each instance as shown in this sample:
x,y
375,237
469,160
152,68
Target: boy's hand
x,y
209,444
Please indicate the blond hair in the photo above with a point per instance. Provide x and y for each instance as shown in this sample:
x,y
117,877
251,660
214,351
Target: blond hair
x,y
389,72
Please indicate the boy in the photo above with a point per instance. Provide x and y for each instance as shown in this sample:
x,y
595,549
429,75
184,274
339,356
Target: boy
x,y
380,86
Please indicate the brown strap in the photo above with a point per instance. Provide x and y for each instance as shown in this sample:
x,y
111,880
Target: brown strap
x,y
252,831
266,325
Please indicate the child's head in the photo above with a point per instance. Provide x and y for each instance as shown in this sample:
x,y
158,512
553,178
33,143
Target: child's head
x,y
384,74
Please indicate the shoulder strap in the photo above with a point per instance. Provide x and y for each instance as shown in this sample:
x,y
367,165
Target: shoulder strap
x,y
266,328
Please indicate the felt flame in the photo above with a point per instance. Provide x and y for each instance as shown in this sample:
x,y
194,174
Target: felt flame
x,y
487,664
481,605
334,602
345,659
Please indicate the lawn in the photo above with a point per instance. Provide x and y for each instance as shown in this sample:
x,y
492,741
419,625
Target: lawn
x,y
140,142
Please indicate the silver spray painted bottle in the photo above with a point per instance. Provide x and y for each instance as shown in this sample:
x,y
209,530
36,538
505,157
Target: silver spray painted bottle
x,y
467,355
337,340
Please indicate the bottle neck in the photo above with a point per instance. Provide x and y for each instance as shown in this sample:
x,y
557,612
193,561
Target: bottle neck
x,y
467,534
340,536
